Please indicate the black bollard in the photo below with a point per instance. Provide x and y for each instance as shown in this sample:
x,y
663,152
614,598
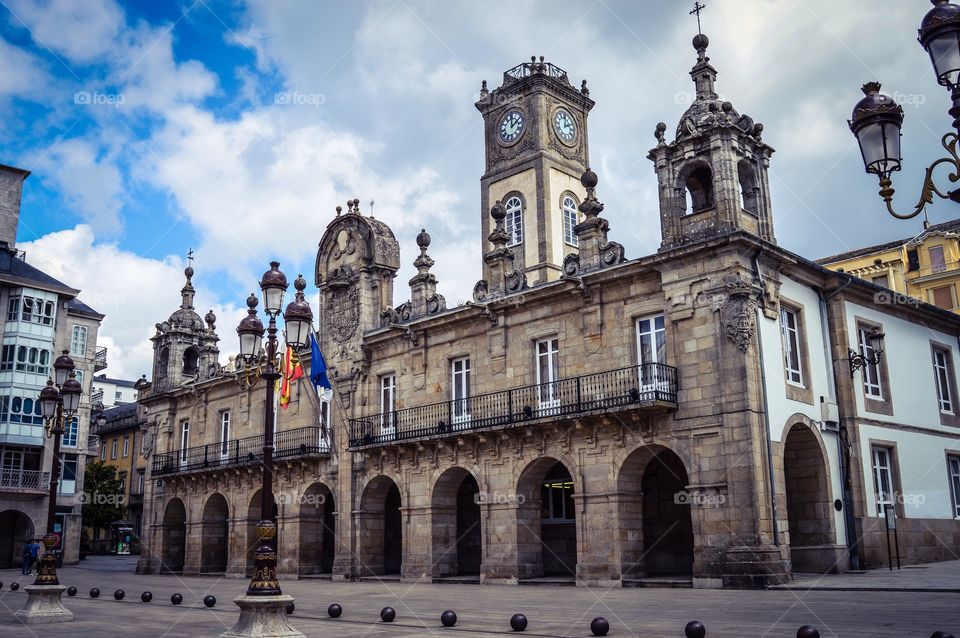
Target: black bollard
x,y
119,594
1,584
176,599
518,622
14,586
448,618
209,600
71,591
387,614
695,629
334,610
94,593
599,626
290,608
808,631
146,596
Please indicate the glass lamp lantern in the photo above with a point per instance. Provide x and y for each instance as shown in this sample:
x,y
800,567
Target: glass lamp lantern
x,y
939,35
48,400
71,391
876,123
250,330
273,284
298,318
63,366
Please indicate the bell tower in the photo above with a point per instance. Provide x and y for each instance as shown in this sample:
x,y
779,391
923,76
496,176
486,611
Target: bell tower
x,y
535,134
713,175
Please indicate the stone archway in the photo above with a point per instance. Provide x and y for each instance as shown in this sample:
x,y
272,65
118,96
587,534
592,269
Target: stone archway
x,y
214,535
254,511
655,523
317,530
381,528
546,520
455,518
174,536
16,529
809,511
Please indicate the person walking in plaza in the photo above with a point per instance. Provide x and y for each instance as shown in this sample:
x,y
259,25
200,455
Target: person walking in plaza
x,y
25,558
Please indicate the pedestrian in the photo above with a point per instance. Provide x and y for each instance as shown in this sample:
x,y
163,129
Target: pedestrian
x,y
34,552
25,558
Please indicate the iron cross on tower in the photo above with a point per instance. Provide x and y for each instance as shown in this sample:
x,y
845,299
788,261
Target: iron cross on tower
x,y
697,8
190,257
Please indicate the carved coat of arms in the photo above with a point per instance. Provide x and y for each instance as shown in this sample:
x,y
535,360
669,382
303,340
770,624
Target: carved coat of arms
x,y
738,313
344,313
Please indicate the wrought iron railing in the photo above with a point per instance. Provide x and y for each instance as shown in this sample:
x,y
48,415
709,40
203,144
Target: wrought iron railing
x,y
530,68
287,444
100,358
636,386
34,480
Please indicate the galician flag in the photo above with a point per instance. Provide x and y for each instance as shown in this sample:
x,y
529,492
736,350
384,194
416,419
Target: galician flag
x,y
292,370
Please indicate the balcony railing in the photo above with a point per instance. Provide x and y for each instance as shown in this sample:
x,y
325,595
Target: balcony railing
x,y
29,480
527,69
287,444
99,358
646,385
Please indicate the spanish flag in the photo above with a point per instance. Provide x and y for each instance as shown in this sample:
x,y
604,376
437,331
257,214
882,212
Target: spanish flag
x,y
292,370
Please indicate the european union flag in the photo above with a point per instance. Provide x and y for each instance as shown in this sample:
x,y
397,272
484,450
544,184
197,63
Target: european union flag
x,y
318,367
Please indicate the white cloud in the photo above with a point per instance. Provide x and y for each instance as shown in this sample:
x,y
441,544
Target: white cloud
x,y
84,32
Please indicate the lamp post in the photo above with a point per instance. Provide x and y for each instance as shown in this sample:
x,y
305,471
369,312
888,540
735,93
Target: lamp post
x,y
263,607
59,401
860,359
877,118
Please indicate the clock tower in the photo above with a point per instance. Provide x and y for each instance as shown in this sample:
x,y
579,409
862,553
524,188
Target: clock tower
x,y
535,127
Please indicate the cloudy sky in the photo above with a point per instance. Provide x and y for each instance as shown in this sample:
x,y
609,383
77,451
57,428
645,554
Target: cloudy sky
x,y
235,129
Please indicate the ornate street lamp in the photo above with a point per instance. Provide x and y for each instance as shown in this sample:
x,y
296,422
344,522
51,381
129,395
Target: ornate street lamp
x,y
876,119
263,607
59,401
860,359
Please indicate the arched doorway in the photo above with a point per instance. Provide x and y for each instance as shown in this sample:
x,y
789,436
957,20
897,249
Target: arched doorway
x,y
253,517
16,528
317,530
546,521
214,535
809,512
457,541
667,520
381,528
174,537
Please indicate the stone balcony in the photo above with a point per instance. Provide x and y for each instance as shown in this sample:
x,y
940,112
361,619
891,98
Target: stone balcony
x,y
650,387
24,484
288,444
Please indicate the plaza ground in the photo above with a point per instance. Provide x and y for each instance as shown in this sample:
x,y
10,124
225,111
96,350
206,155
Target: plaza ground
x,y
912,602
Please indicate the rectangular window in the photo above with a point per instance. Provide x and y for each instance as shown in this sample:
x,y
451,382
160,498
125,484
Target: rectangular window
x,y
548,373
570,220
123,482
68,474
460,382
224,433
13,309
882,479
388,401
126,446
557,504
78,341
882,280
937,262
113,448
953,465
790,329
942,297
184,441
118,396
103,452
70,431
943,373
325,417
651,351
913,260
140,482
872,386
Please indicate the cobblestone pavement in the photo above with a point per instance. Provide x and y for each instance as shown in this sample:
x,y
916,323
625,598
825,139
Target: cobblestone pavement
x,y
932,577
484,610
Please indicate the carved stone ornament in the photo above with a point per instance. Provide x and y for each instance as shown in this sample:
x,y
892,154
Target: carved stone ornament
x,y
738,312
480,291
344,313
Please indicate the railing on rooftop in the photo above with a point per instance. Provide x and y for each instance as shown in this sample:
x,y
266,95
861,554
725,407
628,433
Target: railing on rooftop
x,y
532,68
306,441
30,480
647,385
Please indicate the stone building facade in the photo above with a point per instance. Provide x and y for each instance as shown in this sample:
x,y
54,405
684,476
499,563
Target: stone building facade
x,y
689,416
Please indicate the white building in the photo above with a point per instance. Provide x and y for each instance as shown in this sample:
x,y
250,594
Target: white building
x,y
110,392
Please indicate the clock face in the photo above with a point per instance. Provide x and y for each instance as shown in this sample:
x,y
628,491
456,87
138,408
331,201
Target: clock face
x,y
565,126
511,126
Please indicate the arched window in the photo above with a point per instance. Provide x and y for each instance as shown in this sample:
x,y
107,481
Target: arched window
x,y
749,189
571,218
190,362
514,220
163,361
699,187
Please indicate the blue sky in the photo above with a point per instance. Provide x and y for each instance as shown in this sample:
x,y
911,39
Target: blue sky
x,y
154,127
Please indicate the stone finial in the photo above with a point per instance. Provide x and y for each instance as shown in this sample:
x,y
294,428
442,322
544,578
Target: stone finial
x,y
499,236
211,320
591,206
484,91
423,263
583,89
595,250
339,210
187,292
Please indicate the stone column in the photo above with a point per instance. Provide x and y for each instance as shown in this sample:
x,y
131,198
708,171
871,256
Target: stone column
x,y
193,547
417,563
499,544
236,546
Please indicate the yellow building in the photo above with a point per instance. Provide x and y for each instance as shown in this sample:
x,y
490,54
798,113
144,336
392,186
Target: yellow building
x,y
925,267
